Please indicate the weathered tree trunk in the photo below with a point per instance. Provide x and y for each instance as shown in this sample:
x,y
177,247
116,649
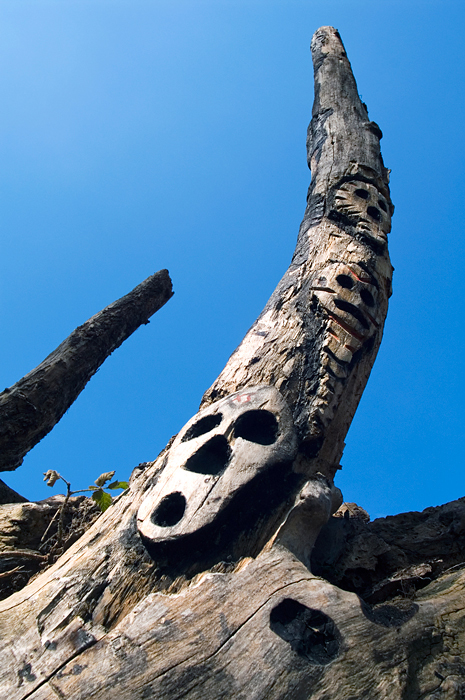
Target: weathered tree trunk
x,y
33,406
197,582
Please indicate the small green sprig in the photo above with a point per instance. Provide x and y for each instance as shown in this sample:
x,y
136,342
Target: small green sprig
x,y
101,497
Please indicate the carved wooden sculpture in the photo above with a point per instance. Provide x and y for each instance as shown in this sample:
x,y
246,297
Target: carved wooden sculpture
x,y
196,583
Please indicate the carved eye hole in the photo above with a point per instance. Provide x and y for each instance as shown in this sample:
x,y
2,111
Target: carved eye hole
x,y
170,510
363,194
204,425
382,205
211,458
260,427
374,213
345,281
367,297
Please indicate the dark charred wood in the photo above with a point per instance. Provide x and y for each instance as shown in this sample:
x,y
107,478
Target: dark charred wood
x,y
30,408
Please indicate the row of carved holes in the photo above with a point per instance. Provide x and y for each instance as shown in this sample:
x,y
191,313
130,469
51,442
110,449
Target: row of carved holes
x,y
212,458
372,211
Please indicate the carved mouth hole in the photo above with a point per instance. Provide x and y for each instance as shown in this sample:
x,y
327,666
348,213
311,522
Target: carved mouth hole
x,y
363,194
367,297
211,458
353,311
170,510
310,633
204,425
374,213
257,426
382,205
345,281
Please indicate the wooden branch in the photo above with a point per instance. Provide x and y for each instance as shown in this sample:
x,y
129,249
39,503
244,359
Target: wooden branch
x,y
31,407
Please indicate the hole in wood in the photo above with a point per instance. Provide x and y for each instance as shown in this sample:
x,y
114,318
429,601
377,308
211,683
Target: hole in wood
x,y
363,194
204,425
211,458
352,310
367,297
345,281
257,426
310,633
170,510
382,205
374,213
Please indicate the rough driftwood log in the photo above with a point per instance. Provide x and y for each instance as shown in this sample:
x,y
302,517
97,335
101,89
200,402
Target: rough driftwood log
x,y
196,583
33,406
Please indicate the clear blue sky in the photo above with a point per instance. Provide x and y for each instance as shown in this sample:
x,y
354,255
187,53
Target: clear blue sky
x,y
171,133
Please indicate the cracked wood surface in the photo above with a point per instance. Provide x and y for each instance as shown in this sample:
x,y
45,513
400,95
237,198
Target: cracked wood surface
x,y
226,636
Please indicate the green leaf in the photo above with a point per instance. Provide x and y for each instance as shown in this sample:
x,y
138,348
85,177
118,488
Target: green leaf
x,y
93,488
118,485
103,478
102,499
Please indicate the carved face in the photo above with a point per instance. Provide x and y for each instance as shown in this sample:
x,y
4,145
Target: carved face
x,y
214,457
365,207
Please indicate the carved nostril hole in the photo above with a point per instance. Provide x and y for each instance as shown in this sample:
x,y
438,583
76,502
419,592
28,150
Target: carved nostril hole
x,y
345,281
204,425
367,297
257,426
363,194
382,205
310,633
170,510
374,213
211,458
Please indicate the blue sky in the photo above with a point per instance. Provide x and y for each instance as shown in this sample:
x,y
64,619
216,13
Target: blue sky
x,y
141,135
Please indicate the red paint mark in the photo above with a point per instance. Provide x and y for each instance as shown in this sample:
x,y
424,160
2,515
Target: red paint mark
x,y
243,398
346,326
351,348
372,319
333,335
367,280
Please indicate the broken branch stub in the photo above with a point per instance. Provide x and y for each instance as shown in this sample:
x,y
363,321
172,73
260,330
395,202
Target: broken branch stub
x,y
30,408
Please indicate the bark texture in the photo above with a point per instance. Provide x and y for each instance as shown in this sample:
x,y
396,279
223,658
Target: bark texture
x,y
31,408
196,582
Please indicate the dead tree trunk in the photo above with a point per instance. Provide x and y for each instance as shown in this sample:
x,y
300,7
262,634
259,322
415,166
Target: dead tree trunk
x,y
196,583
